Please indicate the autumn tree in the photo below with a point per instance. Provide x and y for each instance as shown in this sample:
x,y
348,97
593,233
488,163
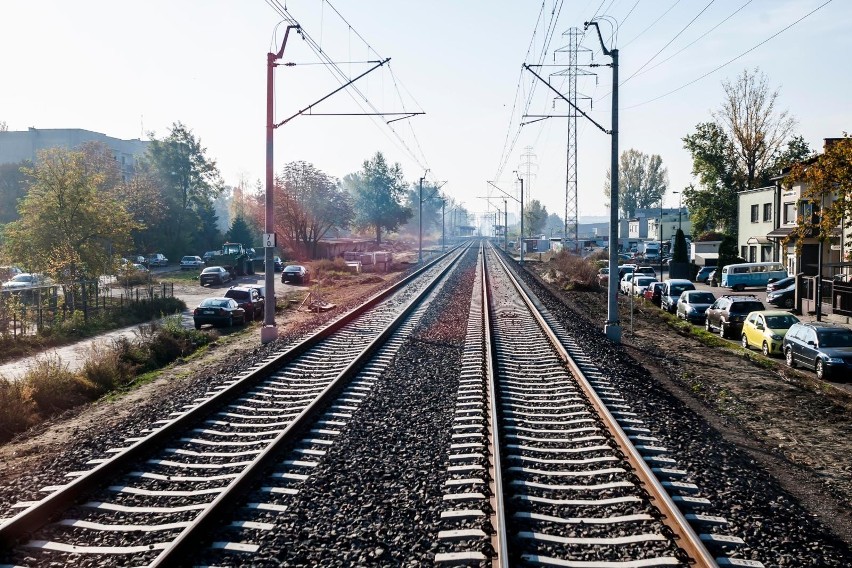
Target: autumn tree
x,y
308,205
755,126
190,181
377,192
535,216
70,222
827,189
642,181
13,187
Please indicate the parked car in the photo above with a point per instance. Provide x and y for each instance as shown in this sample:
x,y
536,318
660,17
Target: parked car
x,y
248,299
785,298
295,274
156,259
766,330
728,313
703,275
624,269
9,272
26,280
653,292
825,348
641,283
191,263
712,280
214,275
218,311
672,289
646,270
208,256
780,284
692,305
603,276
626,282
277,264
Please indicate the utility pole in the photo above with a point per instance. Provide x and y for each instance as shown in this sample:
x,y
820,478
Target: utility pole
x,y
521,242
268,331
612,328
420,216
505,226
443,234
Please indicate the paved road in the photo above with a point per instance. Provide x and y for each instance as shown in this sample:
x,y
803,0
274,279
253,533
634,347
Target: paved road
x,y
75,354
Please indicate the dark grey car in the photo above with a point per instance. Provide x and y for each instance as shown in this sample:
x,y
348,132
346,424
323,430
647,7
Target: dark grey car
x,y
825,348
693,304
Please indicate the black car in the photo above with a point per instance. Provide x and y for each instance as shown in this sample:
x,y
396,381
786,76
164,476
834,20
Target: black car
x,y
295,274
277,263
825,348
218,311
728,313
248,299
214,275
780,284
784,298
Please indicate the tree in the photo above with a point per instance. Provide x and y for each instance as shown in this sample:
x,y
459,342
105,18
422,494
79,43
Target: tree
x,y
679,253
827,192
208,236
190,181
756,128
377,191
142,197
535,216
727,254
555,223
69,222
308,204
13,188
240,232
712,205
797,150
642,181
431,206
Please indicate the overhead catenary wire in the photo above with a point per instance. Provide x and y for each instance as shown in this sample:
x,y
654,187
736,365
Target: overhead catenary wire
x,y
728,62
668,43
342,77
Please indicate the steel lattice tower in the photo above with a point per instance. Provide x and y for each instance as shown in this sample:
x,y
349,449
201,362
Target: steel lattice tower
x,y
571,200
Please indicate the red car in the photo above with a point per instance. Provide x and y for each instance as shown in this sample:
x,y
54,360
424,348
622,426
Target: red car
x,y
652,294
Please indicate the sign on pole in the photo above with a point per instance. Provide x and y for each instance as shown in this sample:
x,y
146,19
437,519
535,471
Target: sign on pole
x,y
269,239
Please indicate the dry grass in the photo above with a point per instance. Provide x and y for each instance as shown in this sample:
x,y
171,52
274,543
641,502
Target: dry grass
x,y
572,272
50,387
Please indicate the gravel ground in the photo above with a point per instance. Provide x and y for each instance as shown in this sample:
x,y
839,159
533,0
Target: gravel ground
x,y
777,528
375,498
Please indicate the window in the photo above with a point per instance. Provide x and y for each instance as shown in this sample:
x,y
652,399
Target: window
x,y
755,212
752,253
765,253
790,213
767,211
743,251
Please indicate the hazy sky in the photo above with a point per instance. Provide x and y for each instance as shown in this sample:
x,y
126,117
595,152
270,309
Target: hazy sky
x,y
126,68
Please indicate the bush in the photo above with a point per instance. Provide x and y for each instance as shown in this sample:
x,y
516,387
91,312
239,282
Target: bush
x,y
17,408
109,367
575,272
54,387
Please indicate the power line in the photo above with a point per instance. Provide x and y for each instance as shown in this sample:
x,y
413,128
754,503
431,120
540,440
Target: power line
x,y
699,38
677,35
725,64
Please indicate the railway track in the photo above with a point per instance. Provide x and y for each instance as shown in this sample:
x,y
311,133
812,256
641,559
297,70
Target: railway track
x,y
154,500
548,466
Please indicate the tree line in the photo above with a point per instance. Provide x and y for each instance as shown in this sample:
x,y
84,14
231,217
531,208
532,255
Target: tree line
x,y
74,214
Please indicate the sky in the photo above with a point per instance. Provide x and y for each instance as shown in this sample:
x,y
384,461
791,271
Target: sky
x,y
127,69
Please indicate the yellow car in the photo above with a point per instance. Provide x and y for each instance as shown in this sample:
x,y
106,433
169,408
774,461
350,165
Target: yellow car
x,y
766,330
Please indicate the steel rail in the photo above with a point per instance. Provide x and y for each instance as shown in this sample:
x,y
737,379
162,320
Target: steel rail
x,y
498,539
187,541
688,540
44,511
